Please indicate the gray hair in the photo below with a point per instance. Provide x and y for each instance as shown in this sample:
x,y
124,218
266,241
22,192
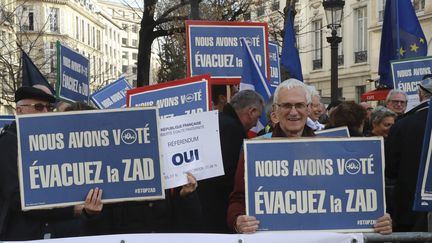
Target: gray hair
x,y
395,91
247,98
268,108
313,91
293,83
380,113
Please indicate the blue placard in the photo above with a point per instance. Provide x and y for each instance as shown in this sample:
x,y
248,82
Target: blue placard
x,y
215,47
63,155
72,75
407,74
181,99
423,196
275,77
334,132
315,184
112,95
4,120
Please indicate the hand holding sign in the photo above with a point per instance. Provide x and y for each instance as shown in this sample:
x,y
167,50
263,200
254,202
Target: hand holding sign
x,y
190,187
246,224
93,203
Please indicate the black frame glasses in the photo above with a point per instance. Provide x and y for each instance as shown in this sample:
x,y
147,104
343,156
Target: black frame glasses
x,y
40,106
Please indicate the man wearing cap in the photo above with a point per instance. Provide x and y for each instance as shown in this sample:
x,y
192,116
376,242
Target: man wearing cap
x,y
403,150
14,223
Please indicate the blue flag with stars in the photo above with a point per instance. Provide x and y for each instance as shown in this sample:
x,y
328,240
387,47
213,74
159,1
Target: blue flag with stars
x,y
402,37
290,56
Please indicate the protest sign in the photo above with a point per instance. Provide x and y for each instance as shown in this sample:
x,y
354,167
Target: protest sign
x,y
190,143
72,75
174,98
214,47
407,74
6,120
112,95
334,132
423,196
61,156
275,78
315,184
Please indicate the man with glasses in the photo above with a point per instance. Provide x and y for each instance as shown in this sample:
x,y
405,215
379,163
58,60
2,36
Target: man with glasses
x,y
402,157
14,223
291,100
396,101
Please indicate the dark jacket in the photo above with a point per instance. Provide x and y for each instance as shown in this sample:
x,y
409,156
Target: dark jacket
x,y
402,149
14,223
237,205
214,192
173,214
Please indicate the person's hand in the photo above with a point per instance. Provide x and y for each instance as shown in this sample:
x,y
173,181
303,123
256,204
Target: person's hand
x,y
383,225
78,210
93,203
190,187
246,224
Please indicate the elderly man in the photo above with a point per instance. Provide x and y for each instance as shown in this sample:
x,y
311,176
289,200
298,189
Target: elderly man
x,y
397,101
403,150
291,100
14,223
315,110
237,118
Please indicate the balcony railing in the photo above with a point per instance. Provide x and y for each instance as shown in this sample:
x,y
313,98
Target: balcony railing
x,y
360,56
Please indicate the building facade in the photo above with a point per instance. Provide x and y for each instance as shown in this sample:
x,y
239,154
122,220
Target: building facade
x,y
358,56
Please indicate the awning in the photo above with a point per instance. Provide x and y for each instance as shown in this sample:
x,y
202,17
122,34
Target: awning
x,y
378,94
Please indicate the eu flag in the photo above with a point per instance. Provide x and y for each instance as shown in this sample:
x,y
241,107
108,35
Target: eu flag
x,y
290,56
402,37
31,74
252,78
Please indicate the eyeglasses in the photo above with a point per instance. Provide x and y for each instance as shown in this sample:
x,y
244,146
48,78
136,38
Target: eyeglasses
x,y
402,102
40,106
289,106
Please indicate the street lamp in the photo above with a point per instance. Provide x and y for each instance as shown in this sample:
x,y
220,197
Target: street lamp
x,y
334,12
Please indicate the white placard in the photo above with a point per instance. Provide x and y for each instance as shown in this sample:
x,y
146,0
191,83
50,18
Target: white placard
x,y
190,143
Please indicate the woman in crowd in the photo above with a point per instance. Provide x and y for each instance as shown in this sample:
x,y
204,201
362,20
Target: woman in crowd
x,y
382,119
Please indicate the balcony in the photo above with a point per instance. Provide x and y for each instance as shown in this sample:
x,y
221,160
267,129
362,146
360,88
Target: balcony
x,y
360,56
316,64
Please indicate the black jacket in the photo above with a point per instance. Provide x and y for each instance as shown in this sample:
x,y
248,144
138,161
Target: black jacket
x,y
403,149
214,192
14,223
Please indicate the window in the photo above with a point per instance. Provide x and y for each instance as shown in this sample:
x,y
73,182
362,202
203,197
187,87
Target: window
x,y
260,10
418,5
317,44
28,20
380,8
124,26
50,57
360,32
125,55
135,28
135,43
340,48
88,34
53,20
247,16
124,69
82,30
135,56
340,94
275,5
124,41
134,70
359,91
77,28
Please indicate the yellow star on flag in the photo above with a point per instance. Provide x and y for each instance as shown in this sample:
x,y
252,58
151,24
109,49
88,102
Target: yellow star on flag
x,y
422,40
414,47
401,51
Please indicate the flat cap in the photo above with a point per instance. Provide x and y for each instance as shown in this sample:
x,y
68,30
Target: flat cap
x,y
426,85
27,92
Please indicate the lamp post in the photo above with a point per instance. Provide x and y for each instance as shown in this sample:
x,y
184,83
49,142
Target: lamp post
x,y
334,12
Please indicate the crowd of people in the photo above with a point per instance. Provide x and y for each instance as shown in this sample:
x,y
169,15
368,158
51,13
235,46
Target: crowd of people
x,y
217,205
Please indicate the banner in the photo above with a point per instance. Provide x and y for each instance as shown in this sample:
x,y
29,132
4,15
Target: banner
x,y
334,132
423,196
72,75
261,237
190,143
214,47
112,95
275,77
174,98
315,184
407,74
61,156
4,120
